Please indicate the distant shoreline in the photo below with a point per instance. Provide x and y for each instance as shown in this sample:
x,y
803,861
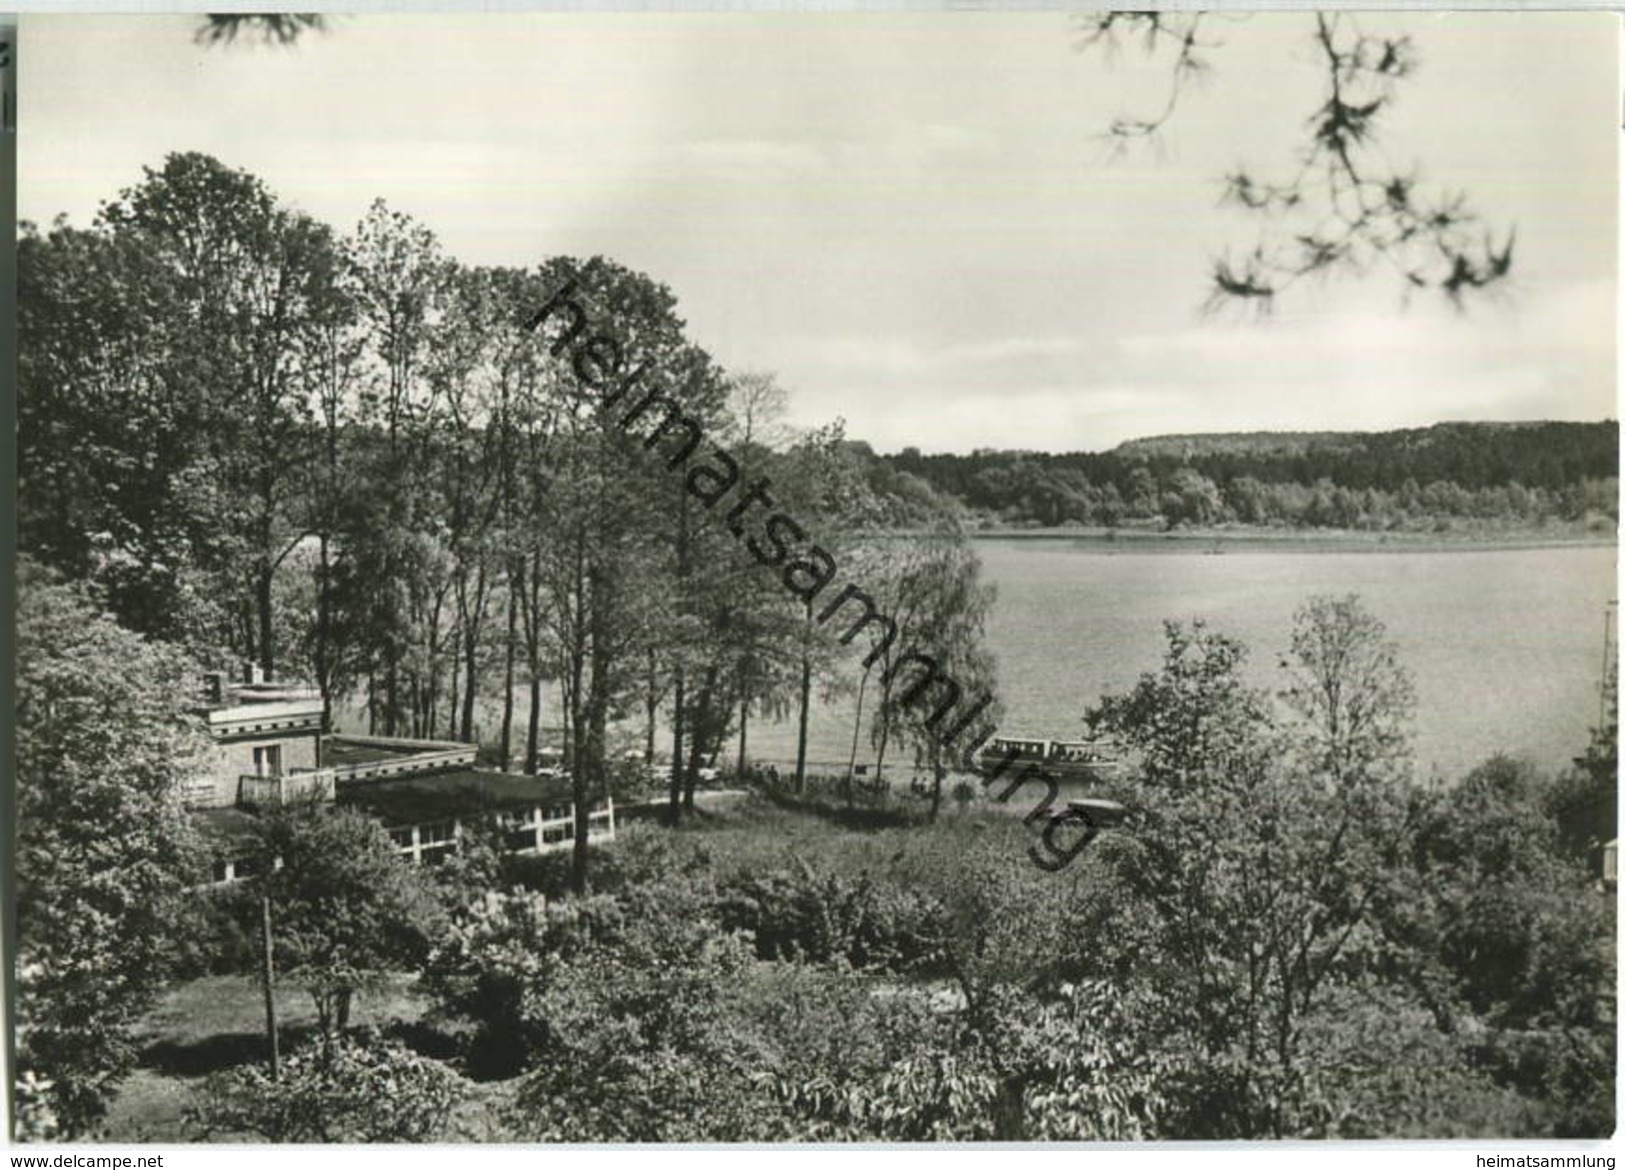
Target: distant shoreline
x,y
1243,539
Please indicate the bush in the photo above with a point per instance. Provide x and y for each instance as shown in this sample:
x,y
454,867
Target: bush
x,y
801,914
638,1037
497,953
350,1090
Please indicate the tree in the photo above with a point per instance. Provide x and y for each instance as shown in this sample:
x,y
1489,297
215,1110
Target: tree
x,y
1348,688
607,501
940,607
399,278
1506,928
108,431
1585,799
346,907
105,755
1250,894
1345,209
820,480
259,284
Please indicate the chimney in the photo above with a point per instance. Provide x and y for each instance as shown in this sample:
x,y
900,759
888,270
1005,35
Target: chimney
x,y
251,673
214,687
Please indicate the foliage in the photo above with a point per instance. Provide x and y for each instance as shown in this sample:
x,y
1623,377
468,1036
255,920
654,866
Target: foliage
x,y
1524,941
281,28
1345,209
348,1090
1256,888
1475,476
495,953
1376,1067
33,1114
1346,685
105,754
346,907
1584,800
939,668
808,916
638,1040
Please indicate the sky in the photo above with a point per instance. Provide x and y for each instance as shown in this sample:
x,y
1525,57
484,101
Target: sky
x,y
912,220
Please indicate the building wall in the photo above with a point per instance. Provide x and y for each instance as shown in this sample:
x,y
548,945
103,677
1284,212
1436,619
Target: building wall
x,y
236,758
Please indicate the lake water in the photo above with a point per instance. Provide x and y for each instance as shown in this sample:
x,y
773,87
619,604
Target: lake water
x,y
1505,645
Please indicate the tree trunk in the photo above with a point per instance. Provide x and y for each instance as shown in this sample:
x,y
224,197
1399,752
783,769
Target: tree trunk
x,y
506,743
324,666
744,722
578,783
674,798
651,707
805,708
696,736
470,682
533,733
262,601
473,620
451,717
857,725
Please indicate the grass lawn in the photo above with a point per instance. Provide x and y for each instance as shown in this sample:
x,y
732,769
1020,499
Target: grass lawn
x,y
216,1023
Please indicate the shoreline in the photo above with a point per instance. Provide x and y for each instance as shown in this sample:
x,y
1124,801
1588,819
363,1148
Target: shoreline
x,y
1242,539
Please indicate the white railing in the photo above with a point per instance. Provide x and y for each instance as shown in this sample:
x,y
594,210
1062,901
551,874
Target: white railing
x,y
530,830
254,791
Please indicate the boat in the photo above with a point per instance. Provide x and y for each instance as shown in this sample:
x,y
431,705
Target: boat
x,y
1079,759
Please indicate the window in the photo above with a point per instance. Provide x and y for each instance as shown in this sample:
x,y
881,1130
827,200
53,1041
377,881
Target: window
x,y
268,760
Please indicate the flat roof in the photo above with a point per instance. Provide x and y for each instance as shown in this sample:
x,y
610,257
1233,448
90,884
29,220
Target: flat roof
x,y
438,796
336,751
342,748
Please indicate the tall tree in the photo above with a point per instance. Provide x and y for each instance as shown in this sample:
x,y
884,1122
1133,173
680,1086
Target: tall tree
x,y
400,276
259,281
941,609
110,423
1261,890
601,569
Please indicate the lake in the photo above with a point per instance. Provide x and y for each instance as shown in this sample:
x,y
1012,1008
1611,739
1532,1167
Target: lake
x,y
1505,645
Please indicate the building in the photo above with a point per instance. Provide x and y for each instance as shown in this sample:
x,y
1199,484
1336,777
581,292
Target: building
x,y
270,750
261,732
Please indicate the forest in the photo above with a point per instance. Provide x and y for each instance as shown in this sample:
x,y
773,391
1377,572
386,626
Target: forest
x,y
1550,477
244,435
347,460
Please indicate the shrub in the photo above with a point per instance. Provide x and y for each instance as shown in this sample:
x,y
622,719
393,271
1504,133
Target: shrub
x,y
802,914
349,1090
497,953
638,1038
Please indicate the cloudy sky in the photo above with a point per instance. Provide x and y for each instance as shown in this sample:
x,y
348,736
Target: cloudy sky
x,y
911,219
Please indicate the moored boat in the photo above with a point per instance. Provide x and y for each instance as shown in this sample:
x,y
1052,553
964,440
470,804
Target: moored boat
x,y
1080,759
